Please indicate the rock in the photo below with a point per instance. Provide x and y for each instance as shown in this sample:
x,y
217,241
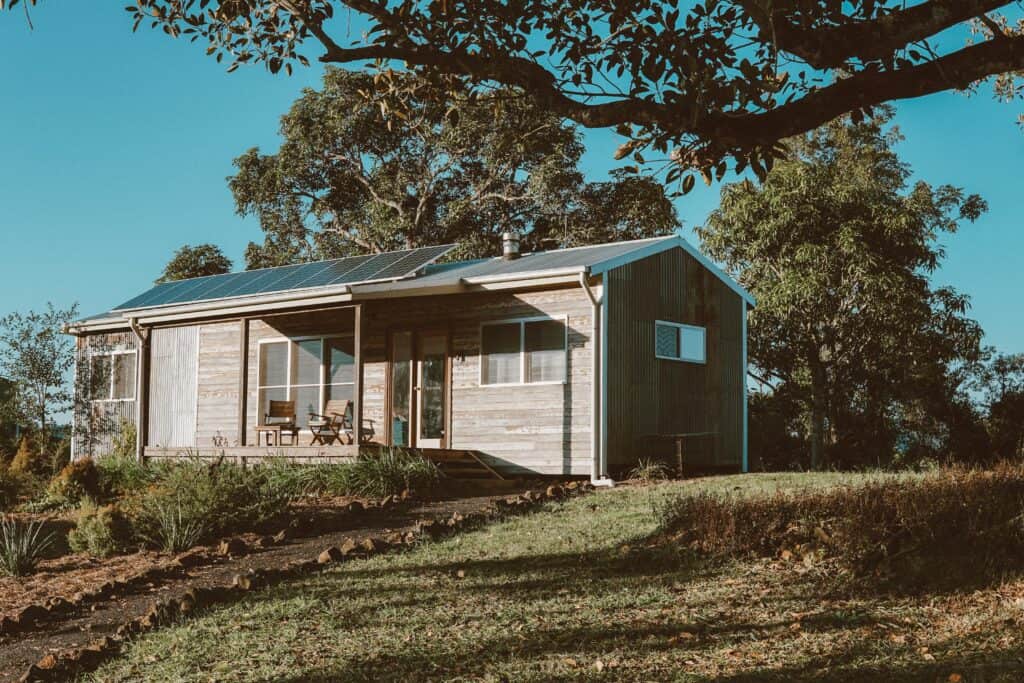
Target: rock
x,y
348,546
371,544
355,506
281,536
34,673
30,614
48,662
394,539
406,494
388,501
242,582
57,604
555,491
7,625
233,547
191,558
332,554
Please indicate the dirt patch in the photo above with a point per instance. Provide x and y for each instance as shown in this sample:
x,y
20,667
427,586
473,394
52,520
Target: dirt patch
x,y
96,619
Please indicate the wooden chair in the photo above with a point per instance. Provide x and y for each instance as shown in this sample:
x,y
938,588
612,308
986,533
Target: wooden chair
x,y
334,425
279,419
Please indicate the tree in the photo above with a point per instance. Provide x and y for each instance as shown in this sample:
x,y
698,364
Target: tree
x,y
362,171
197,261
716,79
37,357
1000,381
838,252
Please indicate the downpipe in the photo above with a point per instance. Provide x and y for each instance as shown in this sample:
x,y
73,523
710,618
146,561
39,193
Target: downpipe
x,y
599,466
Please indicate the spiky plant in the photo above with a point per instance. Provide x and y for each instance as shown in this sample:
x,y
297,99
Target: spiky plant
x,y
21,546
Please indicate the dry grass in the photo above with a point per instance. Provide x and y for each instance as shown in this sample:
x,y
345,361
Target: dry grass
x,y
580,592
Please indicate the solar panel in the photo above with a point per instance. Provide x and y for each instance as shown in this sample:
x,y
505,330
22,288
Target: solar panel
x,y
393,265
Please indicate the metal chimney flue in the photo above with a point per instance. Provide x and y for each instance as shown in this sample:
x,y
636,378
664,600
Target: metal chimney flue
x,y
510,245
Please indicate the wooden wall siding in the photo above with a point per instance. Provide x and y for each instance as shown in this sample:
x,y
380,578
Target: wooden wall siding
x,y
95,423
217,391
173,384
542,428
647,395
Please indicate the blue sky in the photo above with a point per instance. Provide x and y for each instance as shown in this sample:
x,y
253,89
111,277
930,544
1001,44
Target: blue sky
x,y
114,148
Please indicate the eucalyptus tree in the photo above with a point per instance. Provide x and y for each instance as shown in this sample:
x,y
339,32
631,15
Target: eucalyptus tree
x,y
839,249
360,170
195,261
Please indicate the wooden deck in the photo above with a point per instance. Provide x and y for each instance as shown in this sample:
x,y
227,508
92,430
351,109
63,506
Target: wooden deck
x,y
456,464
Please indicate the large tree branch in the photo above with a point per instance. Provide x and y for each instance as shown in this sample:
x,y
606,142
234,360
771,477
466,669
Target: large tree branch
x,y
833,46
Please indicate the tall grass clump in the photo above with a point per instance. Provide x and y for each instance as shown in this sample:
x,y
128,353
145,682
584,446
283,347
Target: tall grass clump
x,y
100,531
21,546
650,470
298,480
192,501
953,526
386,473
122,474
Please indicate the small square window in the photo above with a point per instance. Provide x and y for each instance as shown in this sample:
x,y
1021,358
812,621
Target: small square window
x,y
675,341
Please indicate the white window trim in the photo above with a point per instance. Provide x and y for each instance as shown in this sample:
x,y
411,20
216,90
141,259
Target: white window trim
x,y
324,368
110,388
679,331
564,319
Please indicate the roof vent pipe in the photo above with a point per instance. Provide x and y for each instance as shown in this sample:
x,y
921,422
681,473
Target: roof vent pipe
x,y
510,245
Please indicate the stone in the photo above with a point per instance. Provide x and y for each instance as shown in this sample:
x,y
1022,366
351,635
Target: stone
x,y
7,625
355,506
332,554
242,582
572,486
281,536
406,494
388,501
555,491
371,544
233,547
34,673
349,546
30,614
48,662
394,539
428,526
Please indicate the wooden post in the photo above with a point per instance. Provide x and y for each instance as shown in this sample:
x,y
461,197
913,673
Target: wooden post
x,y
243,379
357,397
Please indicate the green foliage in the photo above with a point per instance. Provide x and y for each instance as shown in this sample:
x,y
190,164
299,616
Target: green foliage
x,y
75,482
361,170
29,459
37,357
191,499
299,480
648,469
21,546
100,531
124,441
999,380
952,527
839,252
14,486
197,261
121,475
386,473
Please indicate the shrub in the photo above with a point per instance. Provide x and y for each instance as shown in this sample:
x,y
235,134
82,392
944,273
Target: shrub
x,y
121,475
21,546
14,486
27,460
99,531
952,526
299,480
191,500
650,470
78,480
123,442
386,473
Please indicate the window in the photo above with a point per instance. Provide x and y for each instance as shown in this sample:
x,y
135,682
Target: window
x,y
113,376
530,351
674,341
307,371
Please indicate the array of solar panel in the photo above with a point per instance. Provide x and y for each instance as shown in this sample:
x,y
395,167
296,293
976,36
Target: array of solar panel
x,y
394,265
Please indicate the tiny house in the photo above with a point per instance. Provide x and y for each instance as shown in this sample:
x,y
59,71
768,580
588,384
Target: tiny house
x,y
568,362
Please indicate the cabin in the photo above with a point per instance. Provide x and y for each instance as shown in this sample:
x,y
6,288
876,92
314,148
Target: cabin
x,y
571,362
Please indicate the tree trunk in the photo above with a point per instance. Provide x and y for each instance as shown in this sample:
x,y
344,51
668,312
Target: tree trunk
x,y
818,389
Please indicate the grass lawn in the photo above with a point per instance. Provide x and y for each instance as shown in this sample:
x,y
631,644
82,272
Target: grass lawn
x,y
575,593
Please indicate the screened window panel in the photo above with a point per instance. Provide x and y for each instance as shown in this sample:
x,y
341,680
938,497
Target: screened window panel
x,y
307,362
693,344
101,369
501,353
336,392
274,365
307,400
341,355
124,376
545,351
666,341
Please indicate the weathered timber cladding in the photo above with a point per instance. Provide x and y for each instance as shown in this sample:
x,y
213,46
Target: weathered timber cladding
x,y
217,393
542,428
173,373
647,395
96,422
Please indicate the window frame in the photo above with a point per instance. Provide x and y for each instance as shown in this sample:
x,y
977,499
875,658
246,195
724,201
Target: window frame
x,y
93,355
292,344
564,319
679,327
